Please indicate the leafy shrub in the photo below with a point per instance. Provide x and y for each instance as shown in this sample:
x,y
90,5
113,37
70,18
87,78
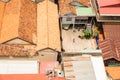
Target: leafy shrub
x,y
87,34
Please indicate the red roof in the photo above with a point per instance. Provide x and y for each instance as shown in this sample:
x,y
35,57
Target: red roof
x,y
47,65
103,3
110,10
111,7
23,77
27,77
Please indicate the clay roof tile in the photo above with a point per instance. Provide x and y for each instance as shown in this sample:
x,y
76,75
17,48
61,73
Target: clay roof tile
x,y
65,7
19,21
48,32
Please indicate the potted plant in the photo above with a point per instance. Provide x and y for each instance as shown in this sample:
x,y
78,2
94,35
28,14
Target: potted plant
x,y
87,34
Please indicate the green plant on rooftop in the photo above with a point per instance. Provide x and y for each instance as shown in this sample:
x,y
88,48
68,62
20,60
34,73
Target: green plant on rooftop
x,y
95,32
87,34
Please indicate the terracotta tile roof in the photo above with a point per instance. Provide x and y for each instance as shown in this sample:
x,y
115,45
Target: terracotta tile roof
x,y
16,50
48,32
2,7
19,21
113,72
27,77
65,7
23,77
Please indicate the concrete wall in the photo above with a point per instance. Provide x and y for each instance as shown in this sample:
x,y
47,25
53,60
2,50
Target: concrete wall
x,y
19,67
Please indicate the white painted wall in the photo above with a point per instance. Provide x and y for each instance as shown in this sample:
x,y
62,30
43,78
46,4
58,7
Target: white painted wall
x,y
99,68
18,67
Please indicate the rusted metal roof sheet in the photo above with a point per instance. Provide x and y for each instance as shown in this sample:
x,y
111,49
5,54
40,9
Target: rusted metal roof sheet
x,y
66,8
19,21
111,45
48,32
110,49
112,31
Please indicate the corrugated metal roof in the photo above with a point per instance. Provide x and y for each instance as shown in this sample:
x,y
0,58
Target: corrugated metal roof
x,y
110,49
111,30
107,7
109,11
103,3
111,45
85,11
